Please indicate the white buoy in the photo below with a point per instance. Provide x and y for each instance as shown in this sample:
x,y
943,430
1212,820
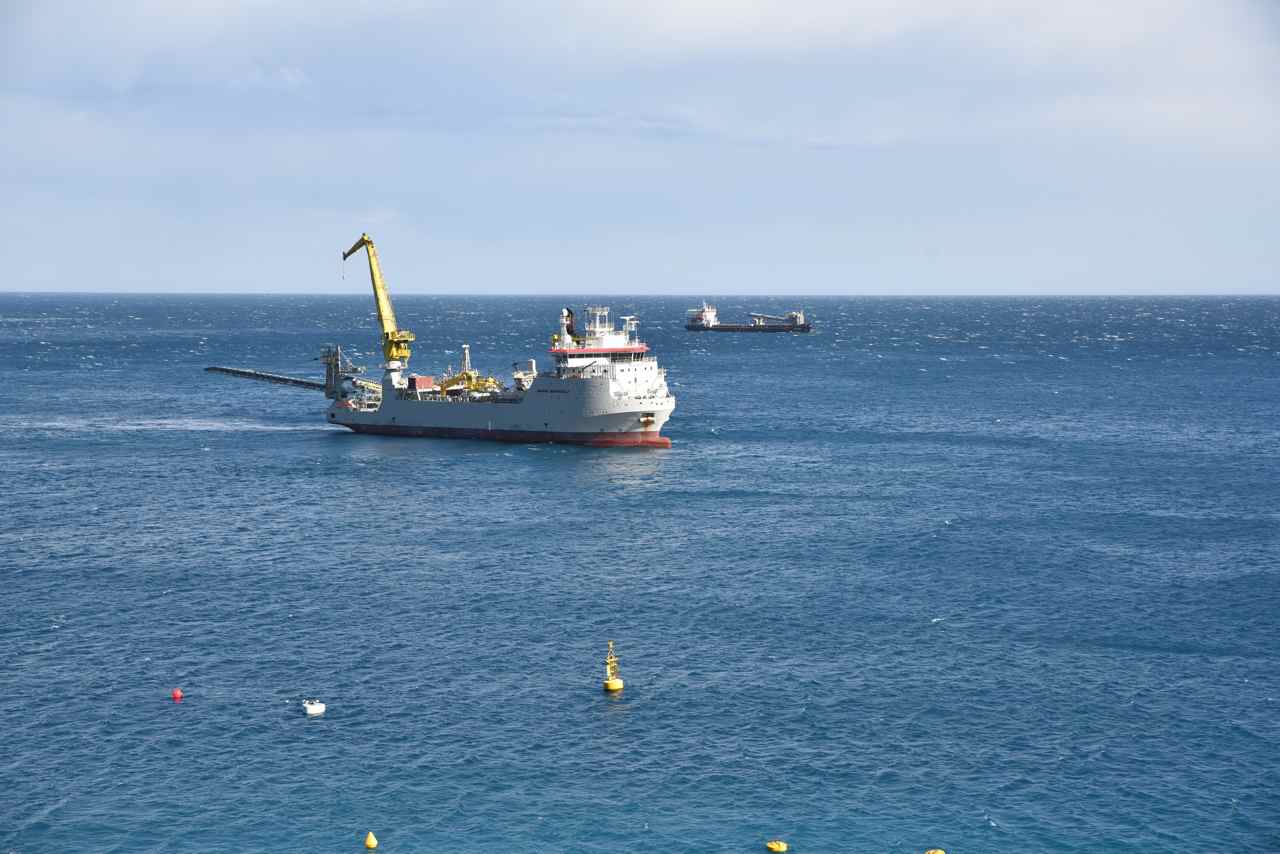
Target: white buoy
x,y
313,707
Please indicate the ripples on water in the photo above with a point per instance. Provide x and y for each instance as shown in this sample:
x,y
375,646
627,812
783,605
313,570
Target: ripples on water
x,y
988,575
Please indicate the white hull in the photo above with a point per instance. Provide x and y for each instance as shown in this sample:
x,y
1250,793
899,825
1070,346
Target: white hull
x,y
590,410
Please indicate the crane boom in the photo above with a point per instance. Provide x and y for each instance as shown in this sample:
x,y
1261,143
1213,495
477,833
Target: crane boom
x,y
395,341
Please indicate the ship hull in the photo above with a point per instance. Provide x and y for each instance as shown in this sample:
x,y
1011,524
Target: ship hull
x,y
591,411
635,439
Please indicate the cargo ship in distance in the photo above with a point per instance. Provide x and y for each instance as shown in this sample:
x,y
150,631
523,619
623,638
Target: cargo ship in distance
x,y
705,320
605,389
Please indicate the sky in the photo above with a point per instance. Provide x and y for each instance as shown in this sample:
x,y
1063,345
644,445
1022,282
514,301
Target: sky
x,y
699,147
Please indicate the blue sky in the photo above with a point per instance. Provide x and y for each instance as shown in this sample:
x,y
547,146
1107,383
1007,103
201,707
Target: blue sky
x,y
663,147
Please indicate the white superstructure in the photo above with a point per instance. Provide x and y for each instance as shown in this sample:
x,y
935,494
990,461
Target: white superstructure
x,y
702,318
604,388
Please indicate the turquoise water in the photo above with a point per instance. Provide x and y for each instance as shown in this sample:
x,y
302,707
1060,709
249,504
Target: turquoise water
x,y
985,575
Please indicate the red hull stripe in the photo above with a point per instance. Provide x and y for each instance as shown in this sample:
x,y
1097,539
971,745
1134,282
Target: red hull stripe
x,y
637,439
588,351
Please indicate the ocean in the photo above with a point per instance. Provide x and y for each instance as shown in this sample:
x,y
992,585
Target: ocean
x,y
986,575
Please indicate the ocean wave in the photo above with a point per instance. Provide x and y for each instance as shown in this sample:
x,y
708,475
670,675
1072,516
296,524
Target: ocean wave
x,y
135,425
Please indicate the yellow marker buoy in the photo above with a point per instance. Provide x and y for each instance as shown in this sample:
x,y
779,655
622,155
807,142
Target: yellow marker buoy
x,y
935,851
371,841
612,681
776,845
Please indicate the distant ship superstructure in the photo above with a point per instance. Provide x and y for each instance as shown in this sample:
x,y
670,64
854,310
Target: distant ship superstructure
x,y
605,388
705,319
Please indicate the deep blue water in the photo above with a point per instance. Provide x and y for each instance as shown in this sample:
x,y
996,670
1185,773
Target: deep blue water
x,y
991,575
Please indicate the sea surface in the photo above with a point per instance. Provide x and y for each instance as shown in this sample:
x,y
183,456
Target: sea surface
x,y
987,575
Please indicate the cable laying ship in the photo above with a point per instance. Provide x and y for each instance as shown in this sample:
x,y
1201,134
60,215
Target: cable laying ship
x,y
705,320
604,390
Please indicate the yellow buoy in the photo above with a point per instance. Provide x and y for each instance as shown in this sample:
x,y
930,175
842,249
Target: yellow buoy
x,y
371,841
612,681
776,845
935,851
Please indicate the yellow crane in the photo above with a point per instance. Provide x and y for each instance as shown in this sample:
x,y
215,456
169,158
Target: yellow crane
x,y
395,341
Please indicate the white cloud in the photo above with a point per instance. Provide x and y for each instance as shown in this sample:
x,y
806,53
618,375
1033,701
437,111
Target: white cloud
x,y
686,128
1199,71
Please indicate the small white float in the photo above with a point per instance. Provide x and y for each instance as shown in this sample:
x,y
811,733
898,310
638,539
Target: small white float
x,y
313,708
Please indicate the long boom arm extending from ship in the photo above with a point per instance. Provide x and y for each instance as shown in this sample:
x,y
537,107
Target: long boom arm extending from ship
x,y
395,341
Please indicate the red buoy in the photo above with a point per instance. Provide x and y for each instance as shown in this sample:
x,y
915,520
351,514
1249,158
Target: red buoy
x,y
177,695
